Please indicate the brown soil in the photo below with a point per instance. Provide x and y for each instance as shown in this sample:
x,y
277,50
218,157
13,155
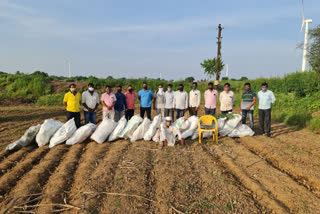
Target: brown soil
x,y
247,175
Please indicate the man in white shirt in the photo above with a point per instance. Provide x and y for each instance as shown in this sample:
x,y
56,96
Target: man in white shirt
x,y
226,99
168,108
180,102
167,134
90,101
266,98
159,101
194,99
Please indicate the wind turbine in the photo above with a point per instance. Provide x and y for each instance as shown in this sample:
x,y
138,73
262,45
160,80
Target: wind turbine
x,y
305,46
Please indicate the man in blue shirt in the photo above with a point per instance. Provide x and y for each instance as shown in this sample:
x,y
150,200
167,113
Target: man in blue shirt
x,y
145,96
265,98
121,104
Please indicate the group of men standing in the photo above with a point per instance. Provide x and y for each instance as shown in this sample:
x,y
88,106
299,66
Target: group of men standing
x,y
168,103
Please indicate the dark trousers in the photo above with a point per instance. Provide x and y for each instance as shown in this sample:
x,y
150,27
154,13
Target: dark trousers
x,y
76,116
210,111
89,117
192,111
244,117
265,120
169,112
226,112
129,114
143,110
179,113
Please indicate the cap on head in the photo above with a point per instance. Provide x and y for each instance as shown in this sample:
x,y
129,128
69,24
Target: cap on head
x,y
168,118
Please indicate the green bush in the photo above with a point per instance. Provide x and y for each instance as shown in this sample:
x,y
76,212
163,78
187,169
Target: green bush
x,y
298,119
314,124
52,99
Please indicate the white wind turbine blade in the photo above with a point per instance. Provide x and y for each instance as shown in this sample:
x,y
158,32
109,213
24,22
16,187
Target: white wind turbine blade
x,y
302,17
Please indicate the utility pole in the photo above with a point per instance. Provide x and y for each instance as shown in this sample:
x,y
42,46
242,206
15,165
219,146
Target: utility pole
x,y
218,57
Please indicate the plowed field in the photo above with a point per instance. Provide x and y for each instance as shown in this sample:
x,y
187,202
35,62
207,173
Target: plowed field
x,y
247,175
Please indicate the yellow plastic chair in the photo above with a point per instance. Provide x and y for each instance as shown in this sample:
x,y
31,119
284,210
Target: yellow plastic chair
x,y
205,125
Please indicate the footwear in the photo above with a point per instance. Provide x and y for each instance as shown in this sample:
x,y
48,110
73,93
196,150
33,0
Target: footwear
x,y
269,136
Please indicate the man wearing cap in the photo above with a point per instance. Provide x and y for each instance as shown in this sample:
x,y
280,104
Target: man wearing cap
x,y
167,134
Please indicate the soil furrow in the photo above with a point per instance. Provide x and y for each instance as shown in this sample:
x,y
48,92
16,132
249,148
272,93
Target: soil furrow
x,y
304,170
165,176
60,182
131,178
89,161
221,192
4,154
35,179
8,180
262,178
13,159
102,177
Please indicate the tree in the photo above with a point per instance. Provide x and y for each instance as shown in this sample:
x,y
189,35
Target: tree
x,y
314,49
225,78
189,79
243,78
210,67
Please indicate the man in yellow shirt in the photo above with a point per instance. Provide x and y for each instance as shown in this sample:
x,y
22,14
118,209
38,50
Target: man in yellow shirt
x,y
72,103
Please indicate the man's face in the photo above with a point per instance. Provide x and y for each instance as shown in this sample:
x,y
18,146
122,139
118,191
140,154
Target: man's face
x,y
160,86
194,86
129,88
226,88
168,123
264,88
108,90
247,87
145,86
180,88
119,89
73,88
169,88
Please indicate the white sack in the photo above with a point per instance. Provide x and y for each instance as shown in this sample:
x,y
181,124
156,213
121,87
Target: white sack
x,y
63,133
81,134
221,123
153,128
179,123
103,131
28,138
131,126
193,125
230,125
139,133
241,130
47,130
195,134
117,131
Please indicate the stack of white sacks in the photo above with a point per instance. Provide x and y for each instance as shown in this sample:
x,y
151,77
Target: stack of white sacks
x,y
54,132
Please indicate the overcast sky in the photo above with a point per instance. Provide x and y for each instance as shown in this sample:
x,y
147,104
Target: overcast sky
x,y
138,38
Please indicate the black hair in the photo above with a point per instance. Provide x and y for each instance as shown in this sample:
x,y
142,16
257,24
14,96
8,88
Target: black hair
x,y
91,84
181,85
210,83
264,84
129,86
119,86
144,83
195,83
108,86
72,84
227,84
248,84
170,85
161,84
